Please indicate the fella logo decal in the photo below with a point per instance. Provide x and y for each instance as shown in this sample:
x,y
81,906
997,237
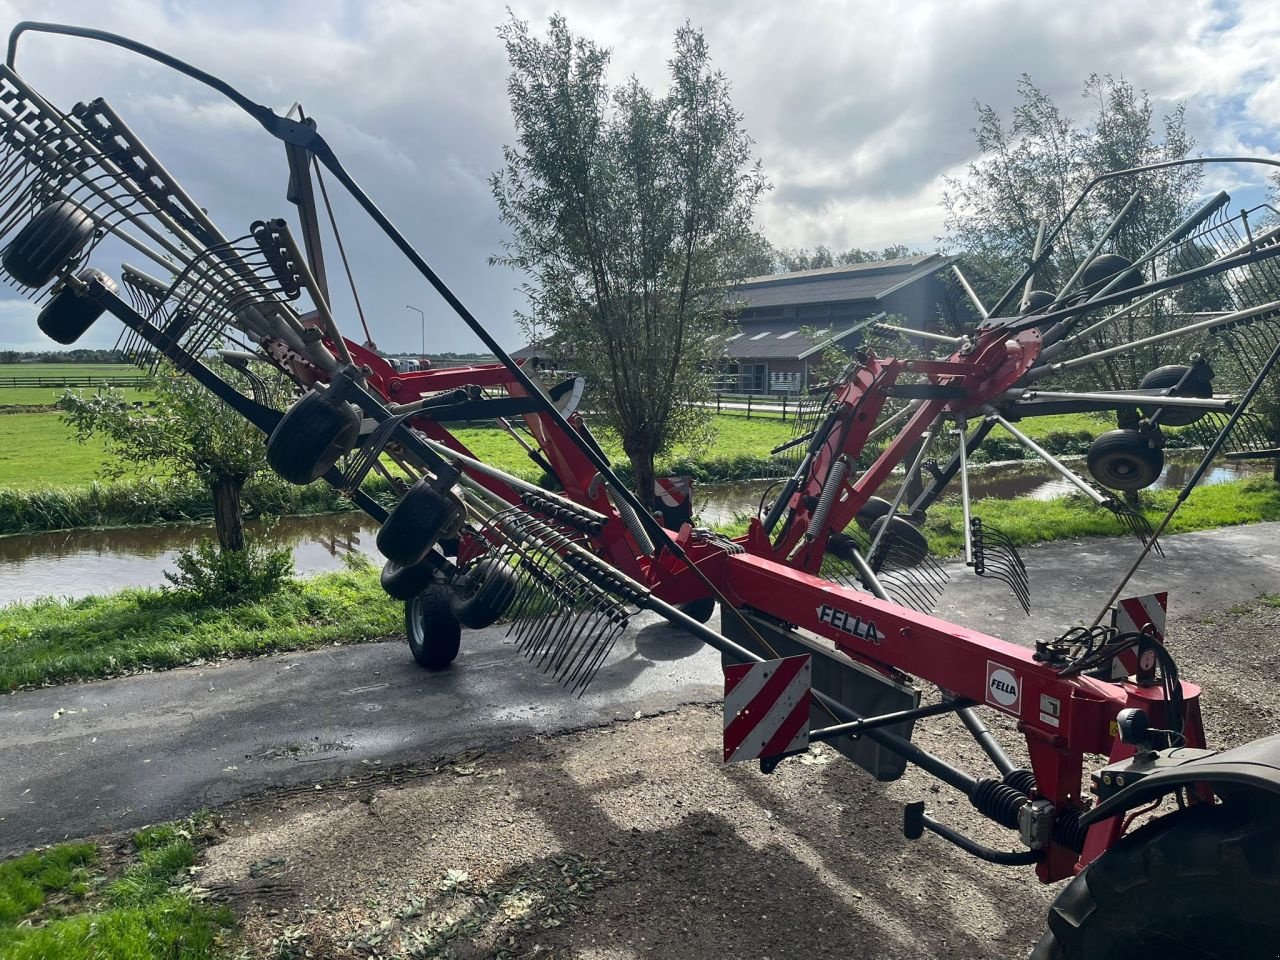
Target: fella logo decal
x,y
1003,688
850,624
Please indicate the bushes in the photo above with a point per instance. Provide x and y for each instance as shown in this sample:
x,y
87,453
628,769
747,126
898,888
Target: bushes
x,y
131,503
218,578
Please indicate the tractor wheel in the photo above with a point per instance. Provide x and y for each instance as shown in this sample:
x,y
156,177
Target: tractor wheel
x,y
1162,378
871,511
314,434
1103,268
484,593
1124,460
904,541
434,634
700,610
1035,302
405,583
1200,883
68,315
423,516
40,249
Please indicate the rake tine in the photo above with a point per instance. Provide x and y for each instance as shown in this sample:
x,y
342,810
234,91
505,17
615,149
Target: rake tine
x,y
995,556
578,649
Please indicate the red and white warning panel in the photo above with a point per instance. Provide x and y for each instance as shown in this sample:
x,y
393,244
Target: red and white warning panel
x,y
766,707
1145,614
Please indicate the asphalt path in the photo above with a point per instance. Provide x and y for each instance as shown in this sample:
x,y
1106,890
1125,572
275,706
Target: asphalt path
x,y
87,758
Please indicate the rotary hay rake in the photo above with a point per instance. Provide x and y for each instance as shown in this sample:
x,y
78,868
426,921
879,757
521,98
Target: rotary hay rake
x,y
824,601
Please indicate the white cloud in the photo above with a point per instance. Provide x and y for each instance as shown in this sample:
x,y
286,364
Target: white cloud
x,y
858,110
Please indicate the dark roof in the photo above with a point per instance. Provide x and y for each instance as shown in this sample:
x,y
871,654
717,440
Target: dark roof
x,y
758,339
857,281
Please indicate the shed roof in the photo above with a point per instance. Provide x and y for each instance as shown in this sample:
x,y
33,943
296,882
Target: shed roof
x,y
856,281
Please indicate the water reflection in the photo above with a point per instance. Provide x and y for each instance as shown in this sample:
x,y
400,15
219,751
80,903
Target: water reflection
x,y
77,563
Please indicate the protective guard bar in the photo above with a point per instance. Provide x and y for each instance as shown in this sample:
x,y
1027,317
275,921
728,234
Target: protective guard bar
x,y
1062,718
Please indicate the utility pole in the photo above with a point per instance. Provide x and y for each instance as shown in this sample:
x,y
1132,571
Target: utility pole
x,y
409,306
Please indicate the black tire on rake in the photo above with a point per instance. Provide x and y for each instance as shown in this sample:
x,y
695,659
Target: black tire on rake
x,y
43,247
422,518
433,632
68,316
484,593
314,434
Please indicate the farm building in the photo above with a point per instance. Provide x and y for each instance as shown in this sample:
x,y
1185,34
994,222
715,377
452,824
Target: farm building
x,y
771,350
788,318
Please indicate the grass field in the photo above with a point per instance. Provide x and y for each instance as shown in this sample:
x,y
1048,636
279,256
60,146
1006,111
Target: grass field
x,y
11,396
68,370
76,901
48,396
37,451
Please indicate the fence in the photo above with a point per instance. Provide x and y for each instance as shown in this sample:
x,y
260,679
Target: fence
x,y
760,404
70,381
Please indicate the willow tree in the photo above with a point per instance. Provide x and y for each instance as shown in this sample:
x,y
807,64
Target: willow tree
x,y
628,211
185,432
1031,167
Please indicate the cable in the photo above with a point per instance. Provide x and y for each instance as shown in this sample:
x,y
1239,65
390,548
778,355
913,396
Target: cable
x,y
342,250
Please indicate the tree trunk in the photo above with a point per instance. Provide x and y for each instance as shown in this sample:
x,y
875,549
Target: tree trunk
x,y
641,457
1275,470
228,517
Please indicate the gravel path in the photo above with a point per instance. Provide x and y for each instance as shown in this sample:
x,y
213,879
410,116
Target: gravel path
x,y
633,841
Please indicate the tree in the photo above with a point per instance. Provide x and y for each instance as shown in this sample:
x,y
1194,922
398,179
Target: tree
x,y
788,259
187,432
1033,168
630,211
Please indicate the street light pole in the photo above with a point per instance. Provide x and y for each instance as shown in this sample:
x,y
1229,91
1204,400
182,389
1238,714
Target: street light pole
x,y
409,306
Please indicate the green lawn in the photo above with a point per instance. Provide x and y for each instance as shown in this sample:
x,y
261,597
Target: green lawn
x,y
37,451
51,641
72,902
1035,521
68,370
48,396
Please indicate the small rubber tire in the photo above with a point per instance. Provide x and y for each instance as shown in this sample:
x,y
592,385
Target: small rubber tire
x,y
423,517
1191,884
700,609
405,583
484,593
910,547
1124,460
314,434
1104,267
871,511
1035,302
52,237
433,632
68,316
1161,378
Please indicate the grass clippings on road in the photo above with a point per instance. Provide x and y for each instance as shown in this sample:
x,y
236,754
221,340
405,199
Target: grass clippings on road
x,y
76,901
54,641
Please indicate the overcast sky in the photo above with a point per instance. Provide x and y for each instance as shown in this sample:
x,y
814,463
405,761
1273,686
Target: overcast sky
x,y
858,109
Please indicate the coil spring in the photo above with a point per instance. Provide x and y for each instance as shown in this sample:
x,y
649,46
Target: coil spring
x,y
557,511
835,480
627,514
998,801
1022,780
